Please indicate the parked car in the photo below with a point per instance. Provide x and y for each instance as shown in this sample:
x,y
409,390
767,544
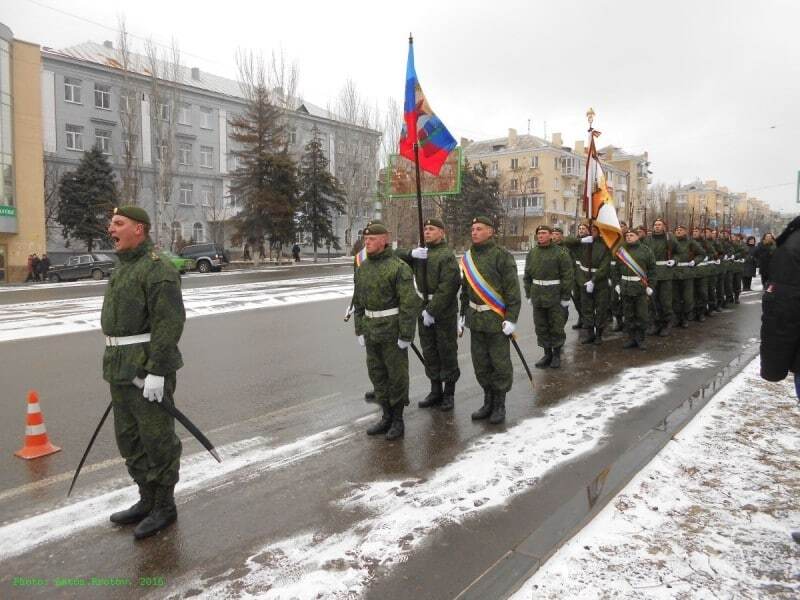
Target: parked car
x,y
209,257
82,266
181,263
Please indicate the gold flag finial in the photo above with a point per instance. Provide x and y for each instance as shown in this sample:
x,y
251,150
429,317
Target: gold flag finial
x,y
590,116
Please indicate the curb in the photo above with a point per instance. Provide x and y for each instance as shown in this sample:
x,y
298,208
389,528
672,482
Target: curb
x,y
515,567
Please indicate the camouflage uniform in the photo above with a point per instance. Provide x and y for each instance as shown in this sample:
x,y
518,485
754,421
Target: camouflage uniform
x,y
491,355
439,342
574,251
662,247
719,279
687,253
633,292
593,264
729,266
548,280
737,267
700,275
383,282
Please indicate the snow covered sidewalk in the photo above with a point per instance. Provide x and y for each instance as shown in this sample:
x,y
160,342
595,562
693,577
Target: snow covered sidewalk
x,y
708,517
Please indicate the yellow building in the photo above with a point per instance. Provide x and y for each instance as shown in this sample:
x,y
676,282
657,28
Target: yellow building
x,y
22,230
631,178
707,200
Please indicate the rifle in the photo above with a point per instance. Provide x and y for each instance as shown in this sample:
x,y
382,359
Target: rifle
x,y
666,224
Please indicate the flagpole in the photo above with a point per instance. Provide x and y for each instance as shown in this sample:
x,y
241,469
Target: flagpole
x,y
424,263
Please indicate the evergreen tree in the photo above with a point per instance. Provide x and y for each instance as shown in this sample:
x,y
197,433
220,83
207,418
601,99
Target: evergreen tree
x,y
86,198
480,195
321,196
266,178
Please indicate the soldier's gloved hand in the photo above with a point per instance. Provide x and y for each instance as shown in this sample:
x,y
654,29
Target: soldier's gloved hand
x,y
587,240
427,318
154,387
361,341
565,303
691,263
649,291
420,253
508,327
462,321
670,263
589,287
616,289
402,344
138,382
716,262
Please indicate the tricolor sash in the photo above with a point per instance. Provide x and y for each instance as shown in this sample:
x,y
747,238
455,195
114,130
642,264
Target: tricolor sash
x,y
361,257
631,263
481,287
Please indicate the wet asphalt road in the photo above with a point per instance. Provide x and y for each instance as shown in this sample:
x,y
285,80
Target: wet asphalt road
x,y
271,378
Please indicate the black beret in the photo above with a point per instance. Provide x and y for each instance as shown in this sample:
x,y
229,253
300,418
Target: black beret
x,y
133,212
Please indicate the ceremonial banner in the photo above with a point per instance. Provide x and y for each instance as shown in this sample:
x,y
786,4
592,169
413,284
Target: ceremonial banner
x,y
602,208
398,178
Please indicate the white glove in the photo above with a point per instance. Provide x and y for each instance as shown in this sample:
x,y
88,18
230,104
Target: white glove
x,y
508,327
589,286
138,382
670,263
361,341
427,319
587,240
716,262
402,344
691,263
530,300
154,387
462,321
616,289
649,291
421,253
565,303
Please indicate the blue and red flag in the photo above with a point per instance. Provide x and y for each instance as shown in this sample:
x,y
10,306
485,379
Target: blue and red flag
x,y
422,126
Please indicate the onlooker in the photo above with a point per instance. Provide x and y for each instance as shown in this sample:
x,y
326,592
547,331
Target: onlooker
x,y
35,267
763,255
30,276
749,263
44,267
296,252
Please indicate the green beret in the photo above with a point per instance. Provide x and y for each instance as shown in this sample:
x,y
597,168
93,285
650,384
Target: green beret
x,y
375,228
484,220
544,228
133,212
435,222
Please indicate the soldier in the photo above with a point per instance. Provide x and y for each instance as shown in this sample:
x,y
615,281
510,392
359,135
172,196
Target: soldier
x,y
701,277
737,265
548,284
438,323
728,264
616,301
142,319
490,303
687,253
557,238
592,274
386,310
662,247
712,270
574,249
641,232
634,289
359,256
719,271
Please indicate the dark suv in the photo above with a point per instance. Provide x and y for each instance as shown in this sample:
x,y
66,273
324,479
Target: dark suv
x,y
209,257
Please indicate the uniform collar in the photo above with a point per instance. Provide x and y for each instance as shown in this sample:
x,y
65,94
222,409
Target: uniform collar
x,y
483,246
135,253
385,253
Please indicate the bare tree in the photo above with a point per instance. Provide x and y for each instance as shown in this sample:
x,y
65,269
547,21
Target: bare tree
x,y
52,177
129,116
284,80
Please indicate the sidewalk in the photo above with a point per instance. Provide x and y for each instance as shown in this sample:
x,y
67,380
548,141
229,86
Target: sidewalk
x,y
708,517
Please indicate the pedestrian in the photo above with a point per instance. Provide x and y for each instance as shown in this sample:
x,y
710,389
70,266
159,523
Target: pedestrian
x,y
438,321
35,267
142,319
592,271
490,304
44,267
548,284
386,310
763,256
635,274
296,252
780,318
30,269
749,270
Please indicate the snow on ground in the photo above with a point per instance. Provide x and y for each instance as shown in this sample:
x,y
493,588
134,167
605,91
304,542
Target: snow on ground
x,y
394,517
709,517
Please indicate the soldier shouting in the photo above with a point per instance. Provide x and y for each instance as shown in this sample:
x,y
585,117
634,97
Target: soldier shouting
x,y
386,310
142,319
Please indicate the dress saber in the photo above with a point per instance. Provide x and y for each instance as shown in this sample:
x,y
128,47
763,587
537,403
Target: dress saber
x,y
89,447
522,358
418,353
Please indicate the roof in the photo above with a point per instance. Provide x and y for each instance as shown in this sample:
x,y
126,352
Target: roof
x,y
619,153
524,142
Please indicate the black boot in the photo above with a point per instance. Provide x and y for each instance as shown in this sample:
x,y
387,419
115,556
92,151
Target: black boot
x,y
618,324
664,331
640,341
598,337
545,361
449,396
556,362
163,515
578,325
652,330
383,425
796,536
498,408
398,428
589,336
435,397
701,316
484,411
736,299
369,396
137,512
631,343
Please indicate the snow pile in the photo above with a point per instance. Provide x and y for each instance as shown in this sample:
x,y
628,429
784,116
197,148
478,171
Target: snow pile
x,y
709,517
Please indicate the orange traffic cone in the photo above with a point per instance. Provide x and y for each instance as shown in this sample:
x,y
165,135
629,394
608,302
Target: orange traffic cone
x,y
36,441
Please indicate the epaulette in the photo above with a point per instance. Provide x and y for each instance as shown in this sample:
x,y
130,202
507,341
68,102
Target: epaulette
x,y
155,256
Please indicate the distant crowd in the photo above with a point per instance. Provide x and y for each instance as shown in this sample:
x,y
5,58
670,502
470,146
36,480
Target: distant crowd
x,y
37,267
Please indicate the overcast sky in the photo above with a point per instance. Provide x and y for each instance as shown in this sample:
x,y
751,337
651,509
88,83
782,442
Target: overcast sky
x,y
711,89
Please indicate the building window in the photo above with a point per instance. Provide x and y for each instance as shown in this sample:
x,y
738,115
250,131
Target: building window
x,y
292,136
185,153
206,118
513,183
207,195
198,234
514,164
129,144
185,114
557,163
534,183
185,194
557,184
102,96
234,200
162,151
493,171
74,137
535,161
72,90
102,139
206,157
177,231
163,111
127,100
